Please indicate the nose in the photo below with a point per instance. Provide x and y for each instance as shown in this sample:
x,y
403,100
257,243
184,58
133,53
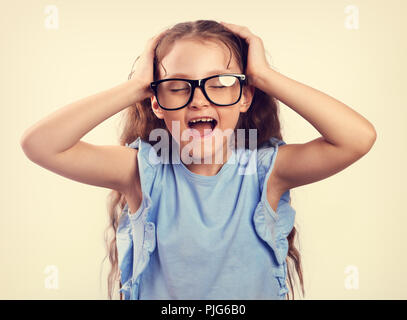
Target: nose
x,y
199,99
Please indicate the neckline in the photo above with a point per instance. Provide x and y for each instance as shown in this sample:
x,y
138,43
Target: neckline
x,y
208,179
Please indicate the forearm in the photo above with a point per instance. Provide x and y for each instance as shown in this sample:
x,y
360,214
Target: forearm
x,y
337,123
63,128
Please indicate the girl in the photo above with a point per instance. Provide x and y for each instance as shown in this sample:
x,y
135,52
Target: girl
x,y
189,226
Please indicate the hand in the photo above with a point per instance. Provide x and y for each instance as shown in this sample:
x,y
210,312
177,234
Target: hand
x,y
256,58
142,72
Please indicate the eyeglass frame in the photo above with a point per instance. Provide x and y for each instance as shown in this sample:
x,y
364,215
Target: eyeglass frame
x,y
201,84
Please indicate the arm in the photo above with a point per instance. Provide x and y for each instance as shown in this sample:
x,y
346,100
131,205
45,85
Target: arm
x,y
346,135
54,142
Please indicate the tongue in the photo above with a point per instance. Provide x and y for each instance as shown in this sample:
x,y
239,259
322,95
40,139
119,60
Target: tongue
x,y
201,126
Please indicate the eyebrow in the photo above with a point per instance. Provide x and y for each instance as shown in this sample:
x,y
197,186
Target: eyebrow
x,y
213,72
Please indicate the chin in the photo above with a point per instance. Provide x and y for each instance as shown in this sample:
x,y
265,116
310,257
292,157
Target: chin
x,y
207,152
207,149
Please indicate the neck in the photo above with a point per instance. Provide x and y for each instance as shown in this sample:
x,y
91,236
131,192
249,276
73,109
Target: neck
x,y
212,168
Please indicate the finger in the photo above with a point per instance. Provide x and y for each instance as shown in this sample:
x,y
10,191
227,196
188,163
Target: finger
x,y
160,33
242,31
154,40
233,26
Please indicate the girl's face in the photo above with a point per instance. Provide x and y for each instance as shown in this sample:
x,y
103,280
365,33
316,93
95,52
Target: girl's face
x,y
196,60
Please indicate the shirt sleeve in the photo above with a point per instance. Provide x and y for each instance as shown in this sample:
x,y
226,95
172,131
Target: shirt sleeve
x,y
136,232
273,227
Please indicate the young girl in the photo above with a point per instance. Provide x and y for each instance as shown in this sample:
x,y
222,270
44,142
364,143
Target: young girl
x,y
191,226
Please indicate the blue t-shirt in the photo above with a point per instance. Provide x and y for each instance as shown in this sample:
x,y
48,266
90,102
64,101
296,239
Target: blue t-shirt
x,y
205,237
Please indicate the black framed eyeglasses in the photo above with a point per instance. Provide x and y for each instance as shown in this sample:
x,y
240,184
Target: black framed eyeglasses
x,y
221,90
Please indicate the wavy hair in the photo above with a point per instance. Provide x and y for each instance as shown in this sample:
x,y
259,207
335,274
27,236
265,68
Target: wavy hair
x,y
139,120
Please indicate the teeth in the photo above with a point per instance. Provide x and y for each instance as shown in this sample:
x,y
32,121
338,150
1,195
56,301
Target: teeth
x,y
202,119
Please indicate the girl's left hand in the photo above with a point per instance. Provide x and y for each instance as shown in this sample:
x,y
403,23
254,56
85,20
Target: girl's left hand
x,y
257,63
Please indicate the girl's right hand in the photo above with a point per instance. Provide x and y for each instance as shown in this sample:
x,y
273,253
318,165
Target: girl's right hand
x,y
142,73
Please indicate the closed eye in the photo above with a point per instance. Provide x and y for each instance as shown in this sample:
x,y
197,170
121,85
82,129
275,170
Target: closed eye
x,y
176,90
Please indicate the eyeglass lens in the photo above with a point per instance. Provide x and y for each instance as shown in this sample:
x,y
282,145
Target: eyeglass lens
x,y
224,89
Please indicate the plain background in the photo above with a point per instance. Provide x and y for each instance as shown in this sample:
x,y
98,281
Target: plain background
x,y
355,218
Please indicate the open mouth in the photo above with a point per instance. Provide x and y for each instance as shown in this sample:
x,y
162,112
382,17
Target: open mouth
x,y
205,125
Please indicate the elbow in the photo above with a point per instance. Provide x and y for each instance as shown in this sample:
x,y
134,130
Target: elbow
x,y
374,136
368,141
24,142
26,138
25,146
28,147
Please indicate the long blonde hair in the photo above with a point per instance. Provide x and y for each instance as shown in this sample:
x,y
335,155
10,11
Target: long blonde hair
x,y
139,120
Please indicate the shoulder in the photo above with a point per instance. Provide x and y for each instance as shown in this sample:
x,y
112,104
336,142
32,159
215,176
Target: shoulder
x,y
267,154
268,159
149,161
276,186
132,191
276,175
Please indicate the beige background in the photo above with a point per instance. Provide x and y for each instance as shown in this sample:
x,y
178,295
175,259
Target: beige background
x,y
354,218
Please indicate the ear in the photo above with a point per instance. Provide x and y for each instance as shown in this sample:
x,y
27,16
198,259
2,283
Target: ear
x,y
247,97
156,108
